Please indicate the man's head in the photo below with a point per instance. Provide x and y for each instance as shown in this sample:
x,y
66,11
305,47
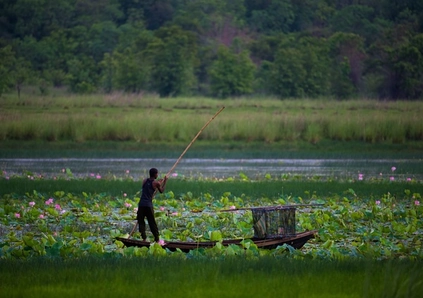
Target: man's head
x,y
154,173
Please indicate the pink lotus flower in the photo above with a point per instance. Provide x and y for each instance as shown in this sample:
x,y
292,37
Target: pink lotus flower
x,y
127,172
417,203
232,207
393,169
98,176
408,179
174,174
124,194
49,201
162,208
161,242
360,176
392,178
41,216
17,215
31,204
377,202
127,205
57,207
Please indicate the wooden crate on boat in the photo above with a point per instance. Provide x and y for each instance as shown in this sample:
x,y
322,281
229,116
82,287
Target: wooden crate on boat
x,y
271,222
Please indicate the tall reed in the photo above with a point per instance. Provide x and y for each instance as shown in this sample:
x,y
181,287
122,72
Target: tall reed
x,y
149,120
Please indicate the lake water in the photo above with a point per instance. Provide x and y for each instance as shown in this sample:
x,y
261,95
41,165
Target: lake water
x,y
137,168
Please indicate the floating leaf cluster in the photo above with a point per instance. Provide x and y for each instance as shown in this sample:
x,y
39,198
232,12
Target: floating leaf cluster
x,y
71,225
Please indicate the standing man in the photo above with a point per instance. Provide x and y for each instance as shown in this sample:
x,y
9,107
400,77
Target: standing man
x,y
145,206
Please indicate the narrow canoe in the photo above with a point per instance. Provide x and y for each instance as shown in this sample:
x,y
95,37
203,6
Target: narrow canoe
x,y
297,241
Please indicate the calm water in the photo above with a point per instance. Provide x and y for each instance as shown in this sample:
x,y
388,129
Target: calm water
x,y
218,168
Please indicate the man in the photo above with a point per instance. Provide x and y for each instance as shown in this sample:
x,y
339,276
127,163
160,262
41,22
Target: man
x,y
145,205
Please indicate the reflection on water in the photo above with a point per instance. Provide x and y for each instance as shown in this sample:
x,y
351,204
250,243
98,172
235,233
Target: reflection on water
x,y
217,168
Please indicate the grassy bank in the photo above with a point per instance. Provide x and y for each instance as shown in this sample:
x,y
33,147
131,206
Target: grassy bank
x,y
147,120
231,277
273,189
211,149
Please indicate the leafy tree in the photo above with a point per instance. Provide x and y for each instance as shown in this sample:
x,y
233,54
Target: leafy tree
x,y
317,65
153,13
358,19
157,13
348,58
210,13
56,51
38,18
132,10
408,68
66,41
173,56
14,71
7,57
103,38
392,9
131,70
107,73
278,16
311,15
395,66
288,73
215,22
300,68
133,35
128,68
88,13
82,75
7,19
231,74
19,73
264,48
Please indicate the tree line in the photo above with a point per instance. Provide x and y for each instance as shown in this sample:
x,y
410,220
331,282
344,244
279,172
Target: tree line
x,y
285,48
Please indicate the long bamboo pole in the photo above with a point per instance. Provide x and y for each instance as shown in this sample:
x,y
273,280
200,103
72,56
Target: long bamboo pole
x,y
183,153
193,140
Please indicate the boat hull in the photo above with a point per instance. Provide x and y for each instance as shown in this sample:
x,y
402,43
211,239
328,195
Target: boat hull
x,y
297,241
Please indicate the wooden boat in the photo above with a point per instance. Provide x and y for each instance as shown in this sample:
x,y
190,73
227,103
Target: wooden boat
x,y
296,241
273,226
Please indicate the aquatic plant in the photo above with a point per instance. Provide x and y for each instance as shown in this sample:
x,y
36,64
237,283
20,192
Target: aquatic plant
x,y
71,225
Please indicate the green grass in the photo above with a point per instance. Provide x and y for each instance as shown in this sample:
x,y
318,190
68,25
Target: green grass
x,y
248,190
230,277
149,120
210,149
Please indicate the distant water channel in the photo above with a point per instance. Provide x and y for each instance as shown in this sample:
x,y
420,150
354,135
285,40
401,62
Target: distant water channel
x,y
137,168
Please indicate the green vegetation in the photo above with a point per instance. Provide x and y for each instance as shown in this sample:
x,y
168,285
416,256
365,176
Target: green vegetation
x,y
275,188
368,242
149,120
282,48
233,277
132,78
351,224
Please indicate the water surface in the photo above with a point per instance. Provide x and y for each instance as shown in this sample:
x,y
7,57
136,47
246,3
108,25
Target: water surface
x,y
137,168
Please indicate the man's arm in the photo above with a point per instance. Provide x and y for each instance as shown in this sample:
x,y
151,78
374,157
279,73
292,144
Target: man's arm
x,y
160,184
